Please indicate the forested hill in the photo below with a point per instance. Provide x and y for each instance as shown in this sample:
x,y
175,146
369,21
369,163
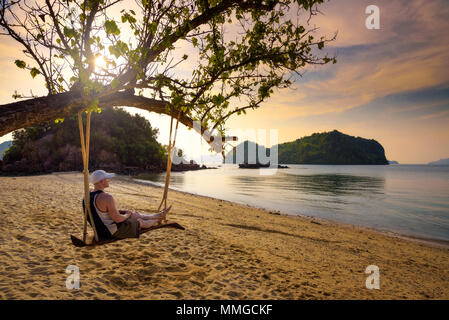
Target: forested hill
x,y
327,148
119,141
332,148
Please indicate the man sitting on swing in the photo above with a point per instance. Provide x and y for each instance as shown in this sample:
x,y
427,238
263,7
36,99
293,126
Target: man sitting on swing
x,y
113,223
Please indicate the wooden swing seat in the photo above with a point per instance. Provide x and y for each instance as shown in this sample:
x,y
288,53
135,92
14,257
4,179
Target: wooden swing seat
x,y
91,242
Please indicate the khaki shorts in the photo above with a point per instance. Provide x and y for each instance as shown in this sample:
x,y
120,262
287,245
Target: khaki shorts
x,y
127,229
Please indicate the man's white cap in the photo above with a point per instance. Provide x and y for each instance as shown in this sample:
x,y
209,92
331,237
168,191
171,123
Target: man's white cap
x,y
99,175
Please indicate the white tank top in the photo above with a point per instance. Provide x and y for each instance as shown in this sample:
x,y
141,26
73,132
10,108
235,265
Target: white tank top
x,y
105,218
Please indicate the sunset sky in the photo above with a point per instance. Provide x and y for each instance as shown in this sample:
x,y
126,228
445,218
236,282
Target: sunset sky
x,y
391,84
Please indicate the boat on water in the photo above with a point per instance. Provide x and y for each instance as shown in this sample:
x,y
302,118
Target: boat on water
x,y
258,165
253,165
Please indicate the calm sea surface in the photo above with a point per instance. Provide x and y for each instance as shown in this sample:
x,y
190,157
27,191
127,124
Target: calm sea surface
x,y
407,199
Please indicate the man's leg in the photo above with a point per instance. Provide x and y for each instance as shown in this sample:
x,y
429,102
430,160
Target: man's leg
x,y
144,224
156,216
149,220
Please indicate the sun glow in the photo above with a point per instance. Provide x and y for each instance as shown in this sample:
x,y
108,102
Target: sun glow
x,y
100,62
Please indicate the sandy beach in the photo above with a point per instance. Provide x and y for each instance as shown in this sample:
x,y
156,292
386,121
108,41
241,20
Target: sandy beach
x,y
228,251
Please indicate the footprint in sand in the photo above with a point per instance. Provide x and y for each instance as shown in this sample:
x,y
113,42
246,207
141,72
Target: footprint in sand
x,y
234,294
145,273
86,256
22,238
177,294
173,269
183,255
118,281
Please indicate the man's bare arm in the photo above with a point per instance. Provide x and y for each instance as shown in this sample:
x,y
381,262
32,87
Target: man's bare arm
x,y
113,212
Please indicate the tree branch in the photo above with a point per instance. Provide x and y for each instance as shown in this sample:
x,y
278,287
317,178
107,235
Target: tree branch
x,y
21,114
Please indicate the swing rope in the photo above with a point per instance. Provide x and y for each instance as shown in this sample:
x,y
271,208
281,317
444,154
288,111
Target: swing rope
x,y
85,141
169,162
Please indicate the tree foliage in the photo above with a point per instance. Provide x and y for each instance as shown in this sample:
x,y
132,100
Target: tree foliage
x,y
119,140
208,59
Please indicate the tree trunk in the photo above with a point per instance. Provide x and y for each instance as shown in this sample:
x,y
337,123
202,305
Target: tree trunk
x,y
27,112
24,113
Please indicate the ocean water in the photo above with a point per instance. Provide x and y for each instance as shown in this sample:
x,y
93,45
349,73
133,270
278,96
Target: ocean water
x,y
406,199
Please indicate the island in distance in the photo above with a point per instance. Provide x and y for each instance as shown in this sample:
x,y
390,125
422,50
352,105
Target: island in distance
x,y
441,162
333,147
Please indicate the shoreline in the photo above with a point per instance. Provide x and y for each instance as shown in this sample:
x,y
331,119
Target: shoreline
x,y
414,238
227,250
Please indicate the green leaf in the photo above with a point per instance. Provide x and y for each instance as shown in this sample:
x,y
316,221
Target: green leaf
x,y
153,27
118,49
16,95
69,32
34,72
21,64
111,27
114,83
218,100
129,18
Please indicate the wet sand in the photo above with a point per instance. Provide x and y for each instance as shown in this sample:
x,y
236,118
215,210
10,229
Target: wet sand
x,y
228,251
